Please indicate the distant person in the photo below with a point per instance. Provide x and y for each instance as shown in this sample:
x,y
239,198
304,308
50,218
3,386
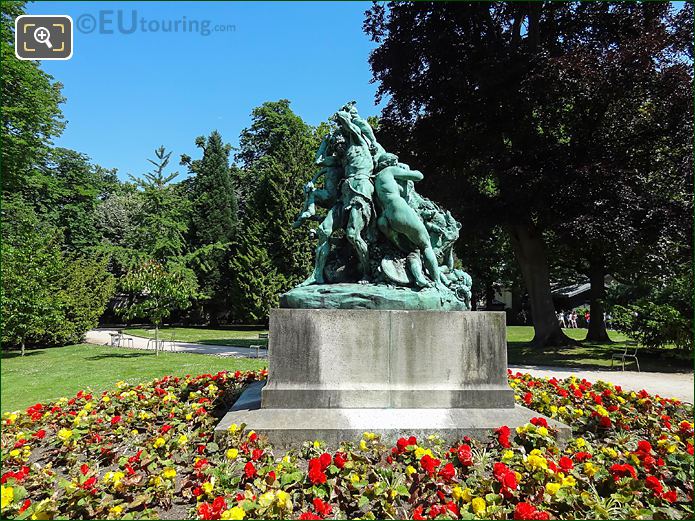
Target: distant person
x,y
573,320
587,318
608,320
561,319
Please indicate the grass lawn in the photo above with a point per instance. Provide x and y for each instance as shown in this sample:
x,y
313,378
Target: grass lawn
x,y
239,336
43,375
588,355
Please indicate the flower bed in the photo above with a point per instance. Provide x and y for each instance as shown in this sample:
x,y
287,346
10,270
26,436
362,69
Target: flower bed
x,y
147,451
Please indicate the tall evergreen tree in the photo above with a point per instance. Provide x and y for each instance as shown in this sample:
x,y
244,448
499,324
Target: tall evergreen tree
x,y
275,161
213,219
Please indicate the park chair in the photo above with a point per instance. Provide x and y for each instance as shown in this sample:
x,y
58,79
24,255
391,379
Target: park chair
x,y
259,347
625,354
118,340
171,341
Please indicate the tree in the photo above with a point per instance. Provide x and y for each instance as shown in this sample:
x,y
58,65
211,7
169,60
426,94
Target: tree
x,y
478,77
78,187
162,224
155,290
256,285
31,115
213,218
47,296
31,270
275,160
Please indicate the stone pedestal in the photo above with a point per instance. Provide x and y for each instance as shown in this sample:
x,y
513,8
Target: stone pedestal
x,y
334,374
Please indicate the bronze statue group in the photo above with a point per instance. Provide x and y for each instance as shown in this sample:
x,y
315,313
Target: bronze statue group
x,y
377,229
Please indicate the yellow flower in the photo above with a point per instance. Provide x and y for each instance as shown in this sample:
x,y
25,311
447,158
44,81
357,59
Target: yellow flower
x,y
479,506
283,500
569,481
369,436
233,428
363,445
542,431
189,417
7,496
355,478
562,409
534,461
553,409
207,487
462,494
116,510
232,453
266,499
590,469
610,452
507,455
15,453
251,433
420,452
106,399
64,435
552,488
159,442
317,444
11,418
170,473
134,432
88,406
410,470
580,442
183,439
114,478
234,513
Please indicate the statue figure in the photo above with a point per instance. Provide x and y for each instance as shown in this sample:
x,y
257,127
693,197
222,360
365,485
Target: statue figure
x,y
398,221
357,189
396,249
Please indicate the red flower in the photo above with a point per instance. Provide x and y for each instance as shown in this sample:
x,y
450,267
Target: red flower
x,y
503,436
582,456
671,496
214,511
115,420
322,508
256,454
165,428
452,507
325,460
84,468
528,511
25,505
316,474
539,422
340,459
417,513
429,463
644,446
566,464
528,397
653,483
270,477
249,470
402,444
89,484
309,515
605,422
465,455
448,472
622,471
40,434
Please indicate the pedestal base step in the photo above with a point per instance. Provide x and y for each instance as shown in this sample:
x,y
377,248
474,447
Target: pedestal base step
x,y
286,428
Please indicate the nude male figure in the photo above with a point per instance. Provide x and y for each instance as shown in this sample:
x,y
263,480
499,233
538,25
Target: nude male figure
x,y
357,188
401,223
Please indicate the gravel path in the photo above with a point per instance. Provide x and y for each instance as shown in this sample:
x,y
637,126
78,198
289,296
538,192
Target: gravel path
x,y
667,385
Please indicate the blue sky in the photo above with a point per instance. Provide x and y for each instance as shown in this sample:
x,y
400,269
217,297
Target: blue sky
x,y
129,93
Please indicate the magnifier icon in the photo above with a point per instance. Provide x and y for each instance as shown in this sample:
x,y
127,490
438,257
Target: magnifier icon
x,y
43,35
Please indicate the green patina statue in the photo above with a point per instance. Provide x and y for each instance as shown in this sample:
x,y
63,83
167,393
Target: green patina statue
x,y
381,245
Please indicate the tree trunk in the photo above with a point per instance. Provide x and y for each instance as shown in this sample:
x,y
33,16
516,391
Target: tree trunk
x,y
597,327
529,250
156,339
22,347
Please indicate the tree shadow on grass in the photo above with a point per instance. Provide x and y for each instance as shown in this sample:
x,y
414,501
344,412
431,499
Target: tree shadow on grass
x,y
6,355
590,356
118,355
